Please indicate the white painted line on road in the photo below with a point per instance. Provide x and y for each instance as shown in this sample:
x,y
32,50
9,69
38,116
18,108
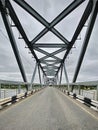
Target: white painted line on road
x,y
80,106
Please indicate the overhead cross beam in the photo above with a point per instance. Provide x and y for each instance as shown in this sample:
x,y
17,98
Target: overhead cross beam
x,y
53,54
46,53
51,62
50,45
47,67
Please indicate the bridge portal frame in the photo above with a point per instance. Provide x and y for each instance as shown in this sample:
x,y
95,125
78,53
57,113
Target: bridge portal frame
x,y
91,8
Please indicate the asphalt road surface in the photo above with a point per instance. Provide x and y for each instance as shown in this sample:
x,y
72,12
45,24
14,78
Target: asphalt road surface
x,y
48,109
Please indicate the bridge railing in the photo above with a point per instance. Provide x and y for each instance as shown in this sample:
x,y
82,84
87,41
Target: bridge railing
x,y
85,92
84,100
87,89
10,100
11,88
12,91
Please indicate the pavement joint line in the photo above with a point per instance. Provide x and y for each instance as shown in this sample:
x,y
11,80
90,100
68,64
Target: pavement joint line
x,y
79,105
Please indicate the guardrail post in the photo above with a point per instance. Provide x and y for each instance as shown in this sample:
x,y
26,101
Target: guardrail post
x,y
0,90
19,88
66,76
79,87
97,93
44,83
56,80
61,75
39,76
4,93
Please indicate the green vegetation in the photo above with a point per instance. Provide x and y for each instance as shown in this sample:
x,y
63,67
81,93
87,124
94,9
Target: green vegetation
x,y
88,87
83,87
7,86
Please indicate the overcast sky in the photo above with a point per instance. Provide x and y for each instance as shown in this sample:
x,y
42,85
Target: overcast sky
x,y
49,9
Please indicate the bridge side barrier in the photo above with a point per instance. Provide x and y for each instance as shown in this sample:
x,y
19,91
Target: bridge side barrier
x,y
5,101
10,100
85,100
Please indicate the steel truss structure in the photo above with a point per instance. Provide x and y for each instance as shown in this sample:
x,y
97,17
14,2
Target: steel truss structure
x,y
49,68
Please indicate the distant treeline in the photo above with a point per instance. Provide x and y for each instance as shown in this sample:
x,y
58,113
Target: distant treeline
x,y
7,86
84,87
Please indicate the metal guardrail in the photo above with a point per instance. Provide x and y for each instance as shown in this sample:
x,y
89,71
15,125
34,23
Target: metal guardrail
x,y
19,87
85,100
10,100
80,85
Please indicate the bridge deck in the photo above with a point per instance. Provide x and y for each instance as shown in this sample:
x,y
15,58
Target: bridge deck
x,y
48,109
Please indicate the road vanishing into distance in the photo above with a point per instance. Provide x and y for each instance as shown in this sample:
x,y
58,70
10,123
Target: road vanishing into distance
x,y
49,109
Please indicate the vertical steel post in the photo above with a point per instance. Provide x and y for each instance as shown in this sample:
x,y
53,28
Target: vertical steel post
x,y
61,75
4,92
39,75
19,88
79,88
66,76
59,79
44,80
12,41
97,93
87,37
56,78
33,76
0,90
